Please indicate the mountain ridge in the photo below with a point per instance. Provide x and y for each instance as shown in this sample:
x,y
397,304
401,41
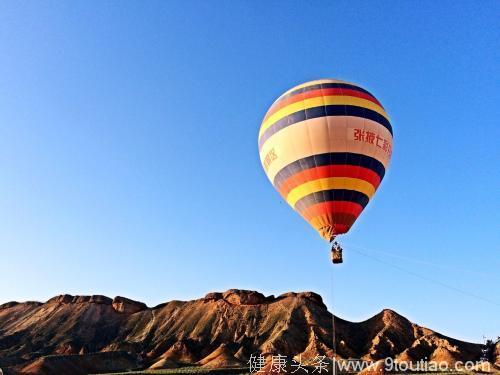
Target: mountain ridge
x,y
220,329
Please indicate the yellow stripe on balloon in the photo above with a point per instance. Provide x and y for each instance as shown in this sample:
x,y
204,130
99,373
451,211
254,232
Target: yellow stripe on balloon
x,y
324,225
317,102
330,183
320,221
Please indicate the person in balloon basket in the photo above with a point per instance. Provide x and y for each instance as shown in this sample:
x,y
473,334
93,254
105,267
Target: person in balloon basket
x,y
336,253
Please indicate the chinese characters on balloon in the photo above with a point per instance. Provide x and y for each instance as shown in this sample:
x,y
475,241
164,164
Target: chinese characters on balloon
x,y
374,139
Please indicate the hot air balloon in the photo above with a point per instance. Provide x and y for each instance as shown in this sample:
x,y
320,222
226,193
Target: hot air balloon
x,y
325,146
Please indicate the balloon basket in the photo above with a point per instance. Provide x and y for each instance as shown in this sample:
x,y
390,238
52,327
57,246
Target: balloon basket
x,y
336,254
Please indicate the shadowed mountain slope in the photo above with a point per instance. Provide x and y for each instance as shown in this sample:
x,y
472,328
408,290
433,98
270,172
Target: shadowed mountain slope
x,y
219,330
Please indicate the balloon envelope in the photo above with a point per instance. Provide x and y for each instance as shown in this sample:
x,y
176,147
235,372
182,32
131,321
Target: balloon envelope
x,y
325,146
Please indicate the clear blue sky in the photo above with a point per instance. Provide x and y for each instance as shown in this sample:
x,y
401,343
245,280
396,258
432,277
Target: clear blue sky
x,y
129,162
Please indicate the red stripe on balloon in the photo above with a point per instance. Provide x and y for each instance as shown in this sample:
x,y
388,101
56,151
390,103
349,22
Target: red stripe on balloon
x,y
317,93
342,228
334,208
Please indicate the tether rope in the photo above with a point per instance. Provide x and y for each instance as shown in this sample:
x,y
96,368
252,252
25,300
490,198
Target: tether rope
x,y
430,264
333,324
458,290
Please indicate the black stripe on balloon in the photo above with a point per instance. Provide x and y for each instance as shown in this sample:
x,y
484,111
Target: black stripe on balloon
x,y
332,195
331,85
322,111
332,158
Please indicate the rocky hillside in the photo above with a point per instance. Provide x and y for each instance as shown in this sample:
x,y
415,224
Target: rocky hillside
x,y
219,330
